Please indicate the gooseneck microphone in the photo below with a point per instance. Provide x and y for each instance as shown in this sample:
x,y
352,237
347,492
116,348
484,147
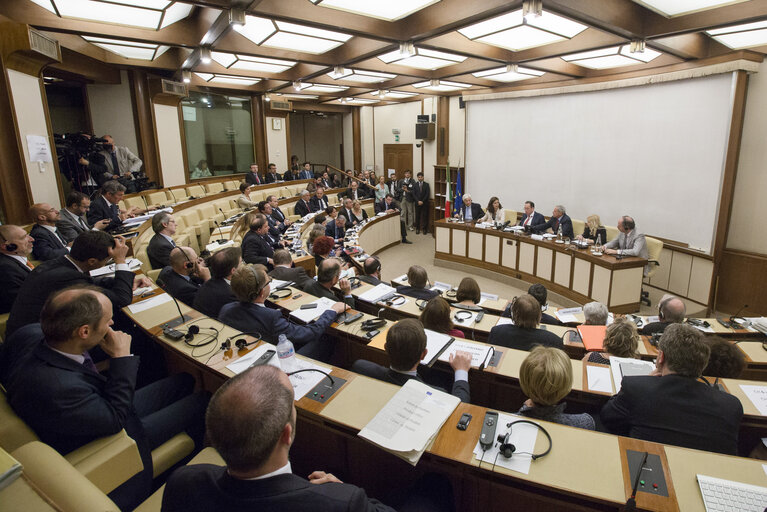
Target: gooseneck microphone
x,y
737,315
172,195
221,240
181,317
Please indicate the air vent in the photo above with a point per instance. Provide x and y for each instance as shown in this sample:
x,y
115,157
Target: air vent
x,y
281,105
174,88
44,45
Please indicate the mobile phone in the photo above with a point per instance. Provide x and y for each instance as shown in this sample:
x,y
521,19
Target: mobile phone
x,y
309,306
296,296
265,357
372,334
463,423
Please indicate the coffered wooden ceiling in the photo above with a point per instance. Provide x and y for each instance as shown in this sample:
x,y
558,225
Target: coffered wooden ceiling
x,y
435,27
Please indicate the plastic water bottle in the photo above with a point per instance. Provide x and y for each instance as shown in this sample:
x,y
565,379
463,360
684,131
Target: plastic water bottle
x,y
286,353
559,234
598,244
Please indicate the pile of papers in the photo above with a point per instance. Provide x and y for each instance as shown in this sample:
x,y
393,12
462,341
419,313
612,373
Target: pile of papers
x,y
377,293
567,316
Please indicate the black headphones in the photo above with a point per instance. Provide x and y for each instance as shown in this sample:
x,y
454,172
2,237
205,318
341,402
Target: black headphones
x,y
354,282
373,323
9,247
462,315
421,303
507,449
451,294
241,343
280,293
189,336
394,300
188,265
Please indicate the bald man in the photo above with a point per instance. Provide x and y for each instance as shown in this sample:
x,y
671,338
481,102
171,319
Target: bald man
x,y
48,243
185,275
15,248
671,310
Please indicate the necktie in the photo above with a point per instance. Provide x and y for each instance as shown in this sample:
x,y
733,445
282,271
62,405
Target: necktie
x,y
89,364
30,265
82,223
58,236
555,227
115,166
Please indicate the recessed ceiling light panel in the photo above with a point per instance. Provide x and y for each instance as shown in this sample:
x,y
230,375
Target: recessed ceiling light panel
x,y
670,8
741,36
291,36
441,85
250,63
151,14
228,79
358,75
422,59
509,74
389,10
614,57
129,49
515,32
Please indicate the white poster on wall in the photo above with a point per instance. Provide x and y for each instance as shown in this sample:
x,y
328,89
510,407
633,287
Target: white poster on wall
x,y
190,113
39,150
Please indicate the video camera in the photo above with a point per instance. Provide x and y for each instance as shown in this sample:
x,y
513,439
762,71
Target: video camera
x,y
71,146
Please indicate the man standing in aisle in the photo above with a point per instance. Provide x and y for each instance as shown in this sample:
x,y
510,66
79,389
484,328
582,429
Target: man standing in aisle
x,y
421,194
405,196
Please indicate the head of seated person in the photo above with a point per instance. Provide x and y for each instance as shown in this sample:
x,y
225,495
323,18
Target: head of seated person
x,y
245,189
405,345
282,258
468,292
320,220
329,272
91,249
164,223
621,339
726,359
436,316
372,267
417,276
224,262
540,293
595,313
316,232
671,309
183,260
323,246
546,376
682,350
250,283
526,312
331,212
243,224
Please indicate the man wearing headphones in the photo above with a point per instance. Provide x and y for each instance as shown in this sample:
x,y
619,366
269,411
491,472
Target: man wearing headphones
x,y
184,276
671,310
629,241
216,292
372,268
15,248
328,275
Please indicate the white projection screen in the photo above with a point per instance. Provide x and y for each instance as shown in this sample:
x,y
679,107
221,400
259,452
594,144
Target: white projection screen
x,y
655,152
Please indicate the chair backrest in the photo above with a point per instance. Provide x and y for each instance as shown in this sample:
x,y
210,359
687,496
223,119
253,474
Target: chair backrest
x,y
510,215
13,431
232,185
152,274
159,197
136,201
195,190
214,188
578,226
143,257
612,232
654,248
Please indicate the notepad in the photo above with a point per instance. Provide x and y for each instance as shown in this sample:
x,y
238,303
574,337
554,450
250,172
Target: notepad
x,y
308,315
435,344
593,336
599,379
149,303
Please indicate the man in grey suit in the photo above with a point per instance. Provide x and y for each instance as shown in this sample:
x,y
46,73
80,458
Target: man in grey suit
x,y
629,241
72,219
285,272
121,163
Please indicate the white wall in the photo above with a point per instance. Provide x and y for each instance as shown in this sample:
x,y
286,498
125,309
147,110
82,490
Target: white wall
x,y
367,138
31,120
277,144
168,130
112,112
402,116
348,138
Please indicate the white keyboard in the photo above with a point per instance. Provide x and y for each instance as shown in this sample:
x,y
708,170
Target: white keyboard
x,y
726,495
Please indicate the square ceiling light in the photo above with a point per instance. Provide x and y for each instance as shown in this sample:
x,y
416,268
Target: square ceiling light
x,y
153,14
420,58
614,57
671,8
394,94
515,32
250,63
353,101
741,36
228,79
441,85
358,75
389,10
129,49
290,36
320,88
298,96
509,74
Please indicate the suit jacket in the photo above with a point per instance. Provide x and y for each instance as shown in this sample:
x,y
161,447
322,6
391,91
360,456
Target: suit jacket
x,y
302,207
127,161
370,280
675,410
326,184
629,244
252,178
270,323
101,210
209,488
212,296
47,245
12,276
381,206
56,275
288,175
348,215
178,287
360,193
564,221
421,192
318,204
460,388
335,231
255,249
402,195
278,215
305,175
314,288
158,251
476,211
271,178
418,293
69,225
537,219
296,274
508,335
654,327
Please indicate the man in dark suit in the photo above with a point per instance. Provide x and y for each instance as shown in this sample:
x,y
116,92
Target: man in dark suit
x,y
158,250
106,206
524,333
252,177
277,214
531,217
72,219
354,192
320,201
671,406
271,174
306,173
671,310
418,281
328,275
256,248
285,271
216,292
275,228
404,195
48,243
336,228
184,276
346,211
257,475
406,347
325,181
389,204
303,206
250,284
372,269
541,294
15,248
558,219
469,211
90,251
421,195
67,402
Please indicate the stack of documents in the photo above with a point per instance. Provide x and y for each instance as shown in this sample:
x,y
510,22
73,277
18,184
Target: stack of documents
x,y
410,421
377,293
436,342
628,367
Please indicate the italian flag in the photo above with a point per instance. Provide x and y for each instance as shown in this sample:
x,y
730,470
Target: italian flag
x,y
448,193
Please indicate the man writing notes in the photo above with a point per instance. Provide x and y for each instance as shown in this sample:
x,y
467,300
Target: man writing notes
x,y
531,217
558,219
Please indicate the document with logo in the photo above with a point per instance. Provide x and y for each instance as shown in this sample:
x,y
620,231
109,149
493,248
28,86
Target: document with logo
x,y
379,292
567,316
410,420
758,396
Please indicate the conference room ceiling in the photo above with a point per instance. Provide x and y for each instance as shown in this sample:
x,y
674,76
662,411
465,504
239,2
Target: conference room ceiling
x,y
318,48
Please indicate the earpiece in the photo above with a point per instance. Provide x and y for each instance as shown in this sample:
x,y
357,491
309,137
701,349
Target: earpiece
x,y
9,247
396,300
662,307
281,293
421,303
188,265
507,449
462,315
193,329
372,324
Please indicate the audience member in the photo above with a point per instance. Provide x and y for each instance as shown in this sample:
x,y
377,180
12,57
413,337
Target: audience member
x,y
358,213
595,313
121,163
244,200
107,206
158,250
353,192
328,276
303,206
306,173
437,316
271,174
14,263
726,361
671,310
184,276
405,196
540,293
621,340
335,228
201,171
275,228
277,213
524,333
217,292
256,246
381,189
285,271
317,231
48,242
417,284
346,211
252,177
468,293
73,219
372,269
320,201
322,249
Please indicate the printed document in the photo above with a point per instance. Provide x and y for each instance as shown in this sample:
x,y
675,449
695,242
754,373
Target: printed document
x,y
478,351
435,342
628,367
523,436
309,315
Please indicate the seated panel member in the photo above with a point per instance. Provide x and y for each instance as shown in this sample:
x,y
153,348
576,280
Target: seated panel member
x,y
285,271
15,248
494,212
406,347
90,250
372,269
629,241
216,292
328,275
158,250
469,211
546,377
524,333
468,292
559,218
184,276
48,242
275,229
256,248
593,230
726,361
354,192
244,200
531,217
258,475
73,220
621,340
303,205
671,310
250,283
106,206
320,201
346,211
418,280
671,406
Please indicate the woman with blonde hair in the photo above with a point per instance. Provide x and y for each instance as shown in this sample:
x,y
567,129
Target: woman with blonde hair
x,y
381,189
317,231
243,224
358,214
593,229
621,340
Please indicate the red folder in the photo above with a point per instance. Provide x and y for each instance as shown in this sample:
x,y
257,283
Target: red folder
x,y
593,336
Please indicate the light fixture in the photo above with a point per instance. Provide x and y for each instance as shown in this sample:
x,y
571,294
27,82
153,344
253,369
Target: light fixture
x,y
299,96
516,31
741,36
250,63
297,85
304,86
382,93
406,50
613,57
342,100
353,101
228,79
129,49
389,10
186,76
267,98
421,58
358,75
204,100
532,8
205,57
509,73
670,8
237,19
291,36
395,94
151,14
441,85
637,46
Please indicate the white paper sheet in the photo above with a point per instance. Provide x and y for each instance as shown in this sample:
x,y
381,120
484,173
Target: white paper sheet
x,y
243,363
277,283
478,351
523,437
703,329
305,381
485,297
377,293
215,246
107,270
308,315
568,315
141,291
634,366
149,303
599,379
435,341
39,149
757,395
504,320
439,286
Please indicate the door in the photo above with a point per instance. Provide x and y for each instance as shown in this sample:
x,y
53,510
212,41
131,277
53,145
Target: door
x,y
398,157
